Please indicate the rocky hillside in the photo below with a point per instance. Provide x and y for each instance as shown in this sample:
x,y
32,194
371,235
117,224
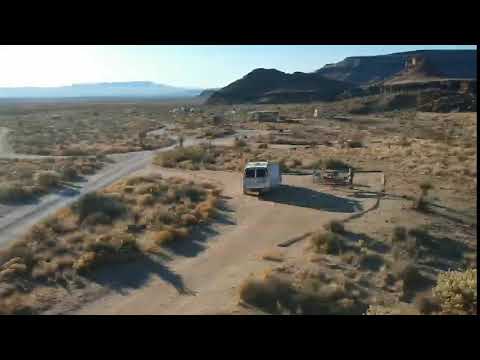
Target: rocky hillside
x,y
362,70
274,86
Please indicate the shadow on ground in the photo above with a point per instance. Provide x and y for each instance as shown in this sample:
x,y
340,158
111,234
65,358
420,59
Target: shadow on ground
x,y
124,277
196,242
193,244
442,253
304,197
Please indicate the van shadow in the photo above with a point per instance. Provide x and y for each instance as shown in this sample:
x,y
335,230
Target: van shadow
x,y
304,197
122,278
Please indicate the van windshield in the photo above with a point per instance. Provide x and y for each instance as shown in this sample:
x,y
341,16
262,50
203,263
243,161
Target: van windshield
x,y
256,172
261,172
250,173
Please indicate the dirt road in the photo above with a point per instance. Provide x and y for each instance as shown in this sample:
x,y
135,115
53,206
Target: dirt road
x,y
205,274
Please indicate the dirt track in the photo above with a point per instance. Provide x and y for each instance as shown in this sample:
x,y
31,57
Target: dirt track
x,y
204,275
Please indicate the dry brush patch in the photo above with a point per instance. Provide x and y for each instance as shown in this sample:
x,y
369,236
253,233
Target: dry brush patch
x,y
369,276
76,129
112,226
24,179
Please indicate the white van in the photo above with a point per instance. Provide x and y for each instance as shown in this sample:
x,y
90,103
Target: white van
x,y
261,176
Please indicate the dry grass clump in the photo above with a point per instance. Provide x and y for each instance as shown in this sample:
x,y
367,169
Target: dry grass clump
x,y
335,226
24,179
395,309
194,155
409,274
100,229
204,157
47,179
327,242
312,295
399,234
456,292
14,192
239,143
427,304
77,129
420,203
267,294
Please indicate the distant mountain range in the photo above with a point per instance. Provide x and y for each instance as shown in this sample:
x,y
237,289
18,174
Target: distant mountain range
x,y
347,76
274,86
114,89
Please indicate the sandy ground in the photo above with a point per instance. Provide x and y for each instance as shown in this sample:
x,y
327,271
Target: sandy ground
x,y
204,275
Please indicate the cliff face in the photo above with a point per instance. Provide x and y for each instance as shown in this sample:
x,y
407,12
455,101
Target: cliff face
x,y
362,70
273,86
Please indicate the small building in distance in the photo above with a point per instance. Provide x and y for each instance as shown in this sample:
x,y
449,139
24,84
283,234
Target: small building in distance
x,y
267,116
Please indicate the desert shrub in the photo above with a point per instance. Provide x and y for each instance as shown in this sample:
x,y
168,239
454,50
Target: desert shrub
x,y
149,188
419,233
355,144
68,173
394,309
403,141
194,193
399,234
312,296
327,242
456,292
180,233
420,203
370,261
317,164
265,293
409,274
189,219
162,237
425,187
46,179
427,304
195,154
97,218
98,203
239,143
334,164
10,193
335,226
146,200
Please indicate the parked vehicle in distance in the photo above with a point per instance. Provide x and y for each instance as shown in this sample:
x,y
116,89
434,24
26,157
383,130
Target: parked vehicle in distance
x,y
261,177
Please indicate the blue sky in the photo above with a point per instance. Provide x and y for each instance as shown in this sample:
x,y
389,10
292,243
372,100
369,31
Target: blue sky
x,y
186,65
